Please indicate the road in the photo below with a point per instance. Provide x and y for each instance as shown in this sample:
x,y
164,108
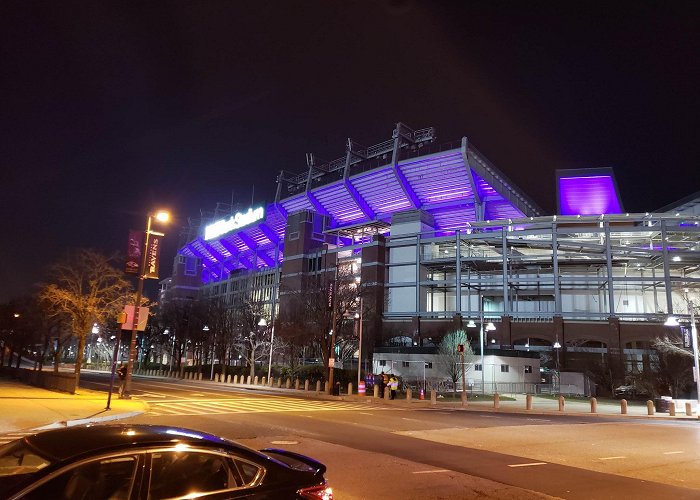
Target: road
x,y
376,451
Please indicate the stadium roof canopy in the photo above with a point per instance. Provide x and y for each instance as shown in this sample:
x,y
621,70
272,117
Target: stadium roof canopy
x,y
453,182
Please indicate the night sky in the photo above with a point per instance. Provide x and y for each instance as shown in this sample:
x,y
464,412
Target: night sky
x,y
112,109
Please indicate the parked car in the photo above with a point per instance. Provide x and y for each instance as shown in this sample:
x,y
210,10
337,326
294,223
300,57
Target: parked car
x,y
128,462
630,392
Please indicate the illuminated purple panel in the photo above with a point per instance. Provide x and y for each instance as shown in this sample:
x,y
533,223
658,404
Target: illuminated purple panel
x,y
339,203
382,191
589,195
298,202
438,179
484,188
503,210
449,219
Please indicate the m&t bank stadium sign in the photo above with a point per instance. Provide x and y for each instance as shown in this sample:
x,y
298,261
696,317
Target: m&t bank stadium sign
x,y
237,221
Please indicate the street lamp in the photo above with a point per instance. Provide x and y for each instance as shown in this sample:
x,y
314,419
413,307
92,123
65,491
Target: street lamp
x,y
263,324
557,347
161,216
358,315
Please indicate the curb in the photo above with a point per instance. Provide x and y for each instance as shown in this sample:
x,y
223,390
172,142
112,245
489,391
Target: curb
x,y
82,421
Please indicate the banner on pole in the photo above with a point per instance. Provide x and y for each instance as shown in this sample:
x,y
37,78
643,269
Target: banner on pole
x,y
133,252
152,257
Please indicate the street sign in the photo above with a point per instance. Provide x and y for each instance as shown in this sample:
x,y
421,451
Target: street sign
x,y
128,324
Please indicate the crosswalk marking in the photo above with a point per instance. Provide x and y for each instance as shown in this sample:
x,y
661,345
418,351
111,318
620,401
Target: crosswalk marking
x,y
247,405
11,436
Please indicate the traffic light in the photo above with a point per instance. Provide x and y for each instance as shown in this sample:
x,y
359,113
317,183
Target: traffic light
x,y
460,347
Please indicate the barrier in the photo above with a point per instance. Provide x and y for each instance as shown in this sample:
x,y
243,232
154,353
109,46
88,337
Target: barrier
x,y
623,407
496,401
349,387
561,403
376,391
688,410
361,389
528,401
650,407
594,405
318,387
433,397
409,395
306,385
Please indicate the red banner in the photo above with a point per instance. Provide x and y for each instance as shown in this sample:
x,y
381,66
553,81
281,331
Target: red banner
x,y
152,257
133,252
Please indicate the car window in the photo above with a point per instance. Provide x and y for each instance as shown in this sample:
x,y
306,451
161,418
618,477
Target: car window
x,y
17,458
109,478
249,472
176,474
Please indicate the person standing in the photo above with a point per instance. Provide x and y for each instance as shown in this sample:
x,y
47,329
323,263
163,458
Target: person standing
x,y
122,378
393,386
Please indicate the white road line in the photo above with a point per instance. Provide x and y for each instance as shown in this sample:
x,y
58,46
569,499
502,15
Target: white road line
x,y
365,413
528,464
430,471
611,458
673,452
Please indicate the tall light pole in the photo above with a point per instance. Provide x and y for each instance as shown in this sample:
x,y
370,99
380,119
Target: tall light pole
x,y
161,216
263,323
557,347
694,335
359,346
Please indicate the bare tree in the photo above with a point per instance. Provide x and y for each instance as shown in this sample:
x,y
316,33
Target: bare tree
x,y
449,360
85,288
308,319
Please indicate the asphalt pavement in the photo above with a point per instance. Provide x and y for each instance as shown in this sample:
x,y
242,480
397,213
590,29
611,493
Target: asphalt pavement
x,y
25,407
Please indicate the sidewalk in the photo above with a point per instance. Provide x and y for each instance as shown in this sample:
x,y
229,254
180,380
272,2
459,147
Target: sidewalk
x,y
25,407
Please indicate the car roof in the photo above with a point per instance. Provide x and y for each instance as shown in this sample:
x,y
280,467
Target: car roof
x,y
66,443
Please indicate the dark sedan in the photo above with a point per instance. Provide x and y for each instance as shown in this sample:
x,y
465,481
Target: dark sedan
x,y
125,462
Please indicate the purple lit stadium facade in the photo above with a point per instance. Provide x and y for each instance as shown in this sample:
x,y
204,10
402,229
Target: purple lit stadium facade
x,y
440,239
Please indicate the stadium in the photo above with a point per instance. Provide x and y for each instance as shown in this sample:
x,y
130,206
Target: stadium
x,y
438,239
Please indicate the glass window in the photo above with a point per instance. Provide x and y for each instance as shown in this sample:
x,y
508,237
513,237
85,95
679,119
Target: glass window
x,y
528,369
505,368
429,365
111,478
249,472
16,458
175,474
477,367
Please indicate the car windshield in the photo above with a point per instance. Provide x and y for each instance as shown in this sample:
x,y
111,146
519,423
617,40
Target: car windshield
x,y
18,458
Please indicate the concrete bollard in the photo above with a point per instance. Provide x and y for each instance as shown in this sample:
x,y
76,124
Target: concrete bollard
x,y
623,406
376,391
296,384
326,387
433,397
288,384
594,405
496,400
271,382
561,403
306,385
528,401
409,395
216,377
688,410
349,388
228,378
264,381
650,407
199,376
255,380
464,398
318,387
672,409
279,382
387,393
235,379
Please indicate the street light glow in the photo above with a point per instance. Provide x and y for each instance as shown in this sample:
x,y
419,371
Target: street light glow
x,y
162,216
